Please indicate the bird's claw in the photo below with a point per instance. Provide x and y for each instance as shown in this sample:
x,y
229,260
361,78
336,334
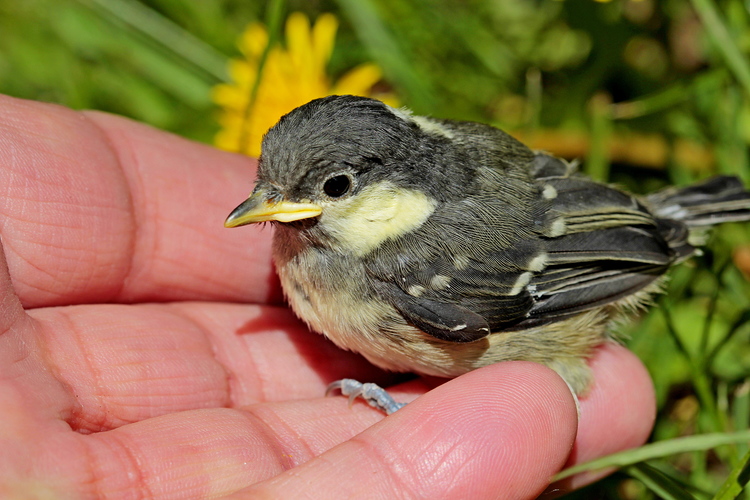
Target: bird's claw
x,y
373,394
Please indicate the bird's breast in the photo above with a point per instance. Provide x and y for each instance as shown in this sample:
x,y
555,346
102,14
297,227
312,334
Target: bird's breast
x,y
328,291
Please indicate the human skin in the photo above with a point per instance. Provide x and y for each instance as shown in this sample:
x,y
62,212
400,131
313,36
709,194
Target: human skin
x,y
146,351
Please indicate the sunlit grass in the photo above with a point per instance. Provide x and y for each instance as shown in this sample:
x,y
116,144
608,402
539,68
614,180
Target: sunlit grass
x,y
645,92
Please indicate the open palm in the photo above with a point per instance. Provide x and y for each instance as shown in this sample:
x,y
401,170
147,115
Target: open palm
x,y
146,351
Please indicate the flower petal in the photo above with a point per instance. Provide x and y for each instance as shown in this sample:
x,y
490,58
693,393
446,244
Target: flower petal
x,y
359,80
291,76
253,41
323,37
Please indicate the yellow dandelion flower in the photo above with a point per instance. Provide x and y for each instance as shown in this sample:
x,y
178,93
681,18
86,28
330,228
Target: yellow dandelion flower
x,y
292,75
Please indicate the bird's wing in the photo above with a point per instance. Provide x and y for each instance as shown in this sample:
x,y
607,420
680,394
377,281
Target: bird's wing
x,y
479,267
609,246
596,268
463,273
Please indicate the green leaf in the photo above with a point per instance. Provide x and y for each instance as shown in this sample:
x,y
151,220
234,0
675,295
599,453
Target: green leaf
x,y
656,450
166,33
724,41
386,50
736,481
658,482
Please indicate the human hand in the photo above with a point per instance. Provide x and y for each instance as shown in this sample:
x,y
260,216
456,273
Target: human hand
x,y
146,351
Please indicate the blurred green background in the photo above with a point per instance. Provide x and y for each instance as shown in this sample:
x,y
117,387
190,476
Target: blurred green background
x,y
645,93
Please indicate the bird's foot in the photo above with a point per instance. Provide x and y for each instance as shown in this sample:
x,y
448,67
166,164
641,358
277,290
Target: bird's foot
x,y
373,394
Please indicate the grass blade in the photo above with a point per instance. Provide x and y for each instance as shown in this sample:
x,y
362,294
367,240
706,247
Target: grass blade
x,y
657,450
167,34
736,481
388,53
723,41
658,482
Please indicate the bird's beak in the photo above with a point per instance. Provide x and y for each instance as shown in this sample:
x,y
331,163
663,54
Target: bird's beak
x,y
259,208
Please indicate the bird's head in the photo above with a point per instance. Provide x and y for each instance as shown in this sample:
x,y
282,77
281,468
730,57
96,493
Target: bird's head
x,y
350,172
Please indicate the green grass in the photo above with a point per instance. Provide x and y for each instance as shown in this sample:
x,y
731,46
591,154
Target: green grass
x,y
673,71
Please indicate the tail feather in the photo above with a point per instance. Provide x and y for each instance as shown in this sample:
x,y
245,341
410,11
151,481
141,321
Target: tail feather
x,y
717,200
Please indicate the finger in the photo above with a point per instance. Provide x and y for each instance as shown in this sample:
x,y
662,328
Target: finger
x,y
28,391
501,431
123,364
189,454
437,444
192,454
11,310
97,208
511,421
617,414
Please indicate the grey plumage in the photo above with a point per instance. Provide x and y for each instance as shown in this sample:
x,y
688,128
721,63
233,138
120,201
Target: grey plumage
x,y
489,245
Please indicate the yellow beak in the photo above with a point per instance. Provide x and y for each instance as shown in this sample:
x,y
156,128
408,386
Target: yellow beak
x,y
258,208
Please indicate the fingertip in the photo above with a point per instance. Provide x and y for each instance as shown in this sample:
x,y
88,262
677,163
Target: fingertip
x,y
502,393
517,420
617,414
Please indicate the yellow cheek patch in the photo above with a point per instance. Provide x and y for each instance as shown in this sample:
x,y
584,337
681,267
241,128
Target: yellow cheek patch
x,y
377,213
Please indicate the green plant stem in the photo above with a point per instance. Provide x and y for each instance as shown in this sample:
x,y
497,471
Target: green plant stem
x,y
658,482
386,50
166,33
274,17
741,412
697,372
736,481
702,386
723,41
534,96
658,101
656,450
710,313
597,163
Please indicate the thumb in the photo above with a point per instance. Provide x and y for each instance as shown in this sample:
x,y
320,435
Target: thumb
x,y
497,432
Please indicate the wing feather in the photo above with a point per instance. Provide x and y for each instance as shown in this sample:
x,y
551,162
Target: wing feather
x,y
572,246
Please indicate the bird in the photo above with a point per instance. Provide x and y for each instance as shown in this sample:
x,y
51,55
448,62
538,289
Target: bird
x,y
438,247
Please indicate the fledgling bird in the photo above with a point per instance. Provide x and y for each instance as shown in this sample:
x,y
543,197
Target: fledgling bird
x,y
438,247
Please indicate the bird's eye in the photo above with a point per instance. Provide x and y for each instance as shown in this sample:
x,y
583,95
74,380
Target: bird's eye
x,y
337,186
